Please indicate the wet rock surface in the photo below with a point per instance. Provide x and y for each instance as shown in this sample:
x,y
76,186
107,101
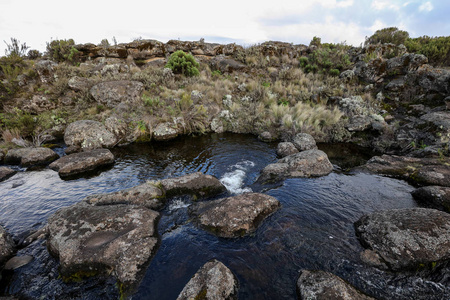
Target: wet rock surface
x,y
7,246
78,163
432,175
407,239
30,156
197,184
323,285
91,240
212,281
434,196
88,134
149,194
235,216
6,173
286,148
309,163
18,261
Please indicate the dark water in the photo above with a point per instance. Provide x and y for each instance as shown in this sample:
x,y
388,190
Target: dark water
x,y
312,230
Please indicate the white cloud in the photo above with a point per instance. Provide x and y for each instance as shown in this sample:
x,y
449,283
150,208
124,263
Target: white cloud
x,y
427,7
384,4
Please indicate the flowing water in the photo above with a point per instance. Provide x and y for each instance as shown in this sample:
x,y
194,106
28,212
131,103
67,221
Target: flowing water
x,y
312,230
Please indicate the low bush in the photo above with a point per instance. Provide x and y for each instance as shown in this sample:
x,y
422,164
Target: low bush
x,y
183,63
437,49
63,50
391,35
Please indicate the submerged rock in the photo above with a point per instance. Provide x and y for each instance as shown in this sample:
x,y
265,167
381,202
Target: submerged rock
x,y
323,285
309,163
235,216
6,172
197,184
30,156
304,141
406,239
18,261
212,281
7,246
88,134
78,163
285,149
149,194
435,196
90,240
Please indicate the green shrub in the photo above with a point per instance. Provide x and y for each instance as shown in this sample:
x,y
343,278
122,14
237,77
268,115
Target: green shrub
x,y
303,61
11,66
390,35
63,50
326,58
334,72
437,49
183,63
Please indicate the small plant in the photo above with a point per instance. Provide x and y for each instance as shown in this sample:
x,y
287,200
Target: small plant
x,y
151,101
183,63
334,72
304,61
15,48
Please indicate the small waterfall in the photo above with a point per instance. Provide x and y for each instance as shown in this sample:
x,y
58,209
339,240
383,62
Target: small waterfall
x,y
234,179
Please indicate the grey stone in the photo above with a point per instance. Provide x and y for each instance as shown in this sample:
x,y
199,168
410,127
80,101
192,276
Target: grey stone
x,y
165,131
18,261
285,149
7,246
235,216
432,175
407,239
213,281
30,156
6,173
111,93
89,134
435,196
78,163
197,184
91,240
322,285
304,141
359,123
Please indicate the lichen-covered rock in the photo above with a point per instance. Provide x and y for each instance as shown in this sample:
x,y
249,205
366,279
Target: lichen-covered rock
x,y
111,93
441,119
6,172
235,216
165,131
435,196
197,184
309,163
149,194
285,149
78,163
432,175
45,70
304,141
321,285
90,240
30,156
89,134
79,84
38,104
212,281
7,246
407,239
226,65
359,123
267,136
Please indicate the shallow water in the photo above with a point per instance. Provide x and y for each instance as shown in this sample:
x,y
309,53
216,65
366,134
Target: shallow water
x,y
312,230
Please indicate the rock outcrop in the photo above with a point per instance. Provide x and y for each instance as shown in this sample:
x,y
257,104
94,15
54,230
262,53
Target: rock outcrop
x,y
212,281
234,216
112,93
435,196
88,134
6,172
406,239
78,163
7,246
90,240
309,163
196,184
30,156
318,285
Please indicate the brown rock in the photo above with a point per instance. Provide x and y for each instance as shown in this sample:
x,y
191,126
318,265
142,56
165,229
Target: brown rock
x,y
30,156
285,149
6,245
435,196
5,173
197,184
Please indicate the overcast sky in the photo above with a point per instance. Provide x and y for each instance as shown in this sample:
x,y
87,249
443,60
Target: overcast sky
x,y
245,22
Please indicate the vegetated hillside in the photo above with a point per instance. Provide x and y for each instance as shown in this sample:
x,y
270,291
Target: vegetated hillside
x,y
381,95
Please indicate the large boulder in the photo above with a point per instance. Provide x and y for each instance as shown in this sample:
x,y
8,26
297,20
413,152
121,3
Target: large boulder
x,y
6,172
112,93
304,141
285,149
406,239
78,163
235,216
30,156
7,246
435,196
90,240
196,184
149,194
321,285
212,281
89,134
309,163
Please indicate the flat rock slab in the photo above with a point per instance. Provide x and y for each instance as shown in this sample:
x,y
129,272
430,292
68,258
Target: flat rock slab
x,y
235,216
406,239
18,261
5,173
309,163
78,163
149,194
212,281
88,134
7,246
435,196
432,175
197,184
90,240
322,285
30,156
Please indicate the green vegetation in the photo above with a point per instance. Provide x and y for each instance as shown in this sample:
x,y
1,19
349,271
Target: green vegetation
x,y
183,63
63,50
327,58
437,49
391,35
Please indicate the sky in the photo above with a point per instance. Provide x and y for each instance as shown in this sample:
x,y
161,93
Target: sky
x,y
245,22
